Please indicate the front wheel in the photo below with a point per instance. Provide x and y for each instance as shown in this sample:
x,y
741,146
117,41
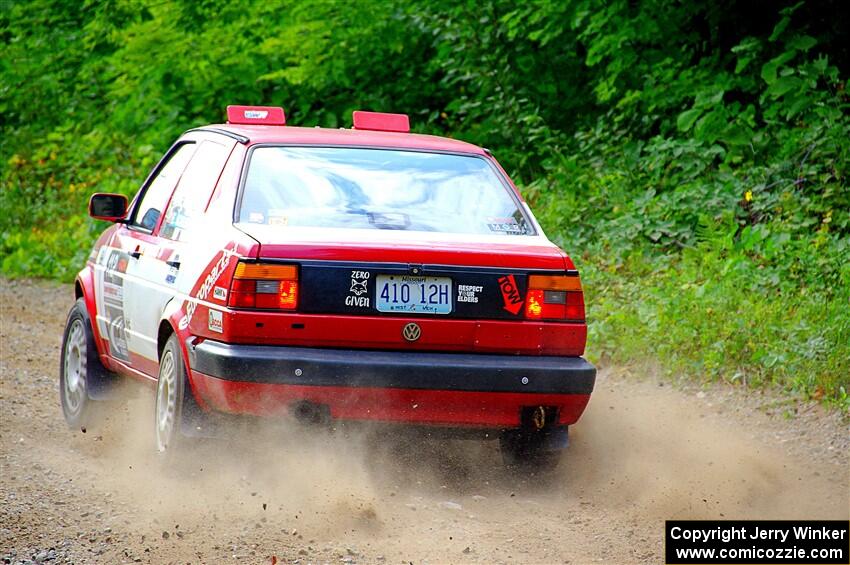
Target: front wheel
x,y
81,374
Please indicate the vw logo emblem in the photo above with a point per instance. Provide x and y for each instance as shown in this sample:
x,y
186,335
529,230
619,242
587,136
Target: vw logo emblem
x,y
411,332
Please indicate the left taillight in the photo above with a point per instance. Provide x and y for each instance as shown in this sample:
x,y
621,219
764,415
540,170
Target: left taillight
x,y
554,297
265,286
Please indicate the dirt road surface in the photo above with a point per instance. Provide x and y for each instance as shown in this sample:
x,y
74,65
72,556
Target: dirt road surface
x,y
646,450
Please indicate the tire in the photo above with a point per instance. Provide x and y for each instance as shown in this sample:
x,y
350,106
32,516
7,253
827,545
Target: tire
x,y
83,380
170,399
529,451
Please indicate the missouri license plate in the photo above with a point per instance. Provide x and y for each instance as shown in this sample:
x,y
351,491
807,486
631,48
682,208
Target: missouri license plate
x,y
413,295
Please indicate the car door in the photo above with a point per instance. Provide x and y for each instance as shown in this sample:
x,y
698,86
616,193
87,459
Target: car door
x,y
116,267
129,264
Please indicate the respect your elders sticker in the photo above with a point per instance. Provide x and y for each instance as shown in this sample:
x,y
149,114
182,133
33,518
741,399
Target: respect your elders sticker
x,y
468,293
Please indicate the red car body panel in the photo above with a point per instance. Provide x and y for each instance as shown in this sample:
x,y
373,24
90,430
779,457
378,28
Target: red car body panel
x,y
370,332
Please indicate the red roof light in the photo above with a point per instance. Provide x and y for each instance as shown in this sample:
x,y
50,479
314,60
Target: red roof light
x,y
379,121
264,115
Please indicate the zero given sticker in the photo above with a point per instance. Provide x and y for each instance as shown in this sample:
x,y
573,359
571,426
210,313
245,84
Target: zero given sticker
x,y
359,282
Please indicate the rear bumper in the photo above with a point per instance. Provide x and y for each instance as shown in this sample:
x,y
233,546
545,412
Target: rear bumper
x,y
450,389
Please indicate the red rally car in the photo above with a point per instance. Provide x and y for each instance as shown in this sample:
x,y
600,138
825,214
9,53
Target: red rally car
x,y
364,274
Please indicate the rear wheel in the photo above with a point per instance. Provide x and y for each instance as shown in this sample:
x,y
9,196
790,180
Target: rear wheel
x,y
82,377
170,390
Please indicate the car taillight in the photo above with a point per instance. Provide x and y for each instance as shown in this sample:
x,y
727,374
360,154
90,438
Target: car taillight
x,y
265,286
554,297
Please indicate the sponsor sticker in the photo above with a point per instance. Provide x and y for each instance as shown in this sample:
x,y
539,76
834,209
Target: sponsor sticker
x,y
116,262
172,275
210,281
278,217
508,226
216,321
220,293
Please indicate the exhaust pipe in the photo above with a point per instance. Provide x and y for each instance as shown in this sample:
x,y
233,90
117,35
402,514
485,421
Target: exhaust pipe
x,y
539,418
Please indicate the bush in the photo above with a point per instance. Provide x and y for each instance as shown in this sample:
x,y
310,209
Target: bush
x,y
692,158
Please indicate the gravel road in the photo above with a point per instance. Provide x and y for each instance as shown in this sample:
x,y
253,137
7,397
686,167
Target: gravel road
x,y
646,450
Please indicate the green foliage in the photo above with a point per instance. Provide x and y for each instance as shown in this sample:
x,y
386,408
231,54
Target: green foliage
x,y
692,158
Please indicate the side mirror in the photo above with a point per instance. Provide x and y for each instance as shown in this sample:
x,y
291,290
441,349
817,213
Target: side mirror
x,y
108,207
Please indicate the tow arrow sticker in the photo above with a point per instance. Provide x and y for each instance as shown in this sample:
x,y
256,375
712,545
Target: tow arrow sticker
x,y
510,294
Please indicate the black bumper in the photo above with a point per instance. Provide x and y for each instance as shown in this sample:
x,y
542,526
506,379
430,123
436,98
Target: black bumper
x,y
393,369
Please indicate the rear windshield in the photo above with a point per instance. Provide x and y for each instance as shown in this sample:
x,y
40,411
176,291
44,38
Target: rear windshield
x,y
384,189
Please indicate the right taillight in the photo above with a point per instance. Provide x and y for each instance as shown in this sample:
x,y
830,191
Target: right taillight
x,y
264,286
554,297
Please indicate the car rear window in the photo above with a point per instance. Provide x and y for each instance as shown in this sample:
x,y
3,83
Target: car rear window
x,y
361,188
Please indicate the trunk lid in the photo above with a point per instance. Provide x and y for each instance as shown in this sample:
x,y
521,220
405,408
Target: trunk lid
x,y
344,273
397,246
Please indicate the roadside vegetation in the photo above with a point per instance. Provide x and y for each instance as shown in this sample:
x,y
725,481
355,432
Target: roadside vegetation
x,y
692,158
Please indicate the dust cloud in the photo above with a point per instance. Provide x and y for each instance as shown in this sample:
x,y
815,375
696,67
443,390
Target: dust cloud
x,y
641,454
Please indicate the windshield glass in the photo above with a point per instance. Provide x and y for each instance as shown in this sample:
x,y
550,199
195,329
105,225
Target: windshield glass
x,y
378,189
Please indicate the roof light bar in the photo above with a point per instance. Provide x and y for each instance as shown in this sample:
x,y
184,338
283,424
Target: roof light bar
x,y
263,115
380,121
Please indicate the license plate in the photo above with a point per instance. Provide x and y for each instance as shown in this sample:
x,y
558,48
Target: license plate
x,y
413,295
